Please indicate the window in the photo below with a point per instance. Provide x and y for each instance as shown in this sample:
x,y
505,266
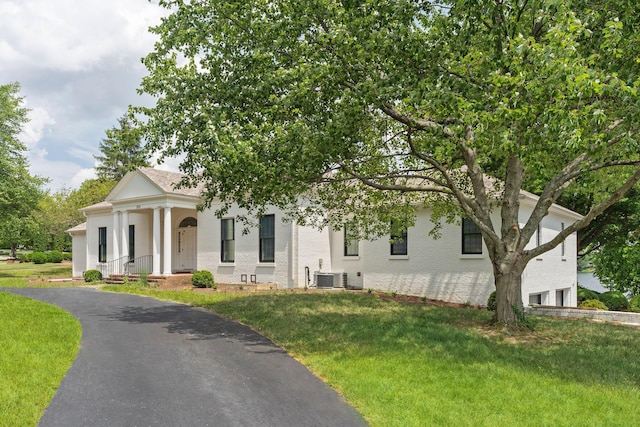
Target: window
x,y
562,245
188,222
398,241
102,244
132,242
350,244
267,238
560,298
539,235
227,237
471,238
535,299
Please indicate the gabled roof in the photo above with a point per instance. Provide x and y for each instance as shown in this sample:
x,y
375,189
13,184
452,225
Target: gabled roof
x,y
167,181
78,228
149,182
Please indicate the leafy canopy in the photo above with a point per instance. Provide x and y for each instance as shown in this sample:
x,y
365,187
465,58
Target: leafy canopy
x,y
19,191
372,108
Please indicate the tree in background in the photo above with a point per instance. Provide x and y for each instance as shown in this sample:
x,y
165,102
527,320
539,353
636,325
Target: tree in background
x,y
60,211
19,191
122,151
618,264
371,109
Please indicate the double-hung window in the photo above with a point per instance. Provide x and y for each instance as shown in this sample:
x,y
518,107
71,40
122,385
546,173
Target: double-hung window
x,y
132,242
398,241
471,238
350,243
228,244
267,238
102,244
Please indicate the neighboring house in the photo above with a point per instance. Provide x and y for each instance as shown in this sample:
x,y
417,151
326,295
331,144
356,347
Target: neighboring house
x,y
147,225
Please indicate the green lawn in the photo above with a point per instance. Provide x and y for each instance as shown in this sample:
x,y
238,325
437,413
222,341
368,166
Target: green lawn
x,y
18,274
38,343
417,365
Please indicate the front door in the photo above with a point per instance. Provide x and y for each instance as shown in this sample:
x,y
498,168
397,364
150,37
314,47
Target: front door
x,y
186,249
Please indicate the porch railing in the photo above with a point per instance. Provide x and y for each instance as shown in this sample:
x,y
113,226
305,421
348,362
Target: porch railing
x,y
140,265
124,266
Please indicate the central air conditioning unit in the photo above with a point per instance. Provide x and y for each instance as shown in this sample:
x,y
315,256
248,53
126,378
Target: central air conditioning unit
x,y
325,280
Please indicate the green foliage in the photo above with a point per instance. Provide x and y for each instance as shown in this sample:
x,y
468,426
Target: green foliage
x,y
634,303
586,294
91,276
55,256
122,151
491,302
615,300
39,257
67,256
618,264
593,303
143,278
203,279
375,109
19,191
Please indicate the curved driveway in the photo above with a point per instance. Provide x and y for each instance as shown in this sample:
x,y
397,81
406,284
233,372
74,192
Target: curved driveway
x,y
144,362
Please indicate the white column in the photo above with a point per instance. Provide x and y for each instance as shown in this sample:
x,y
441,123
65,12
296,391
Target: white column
x,y
166,240
116,232
156,242
124,241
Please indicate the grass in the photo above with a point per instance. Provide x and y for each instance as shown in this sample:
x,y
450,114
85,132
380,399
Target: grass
x,y
416,365
17,275
39,343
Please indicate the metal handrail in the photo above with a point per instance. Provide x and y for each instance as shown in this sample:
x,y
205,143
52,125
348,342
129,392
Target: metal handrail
x,y
115,266
125,266
140,265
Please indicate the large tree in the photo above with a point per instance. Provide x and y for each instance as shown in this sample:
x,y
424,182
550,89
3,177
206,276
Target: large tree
x,y
19,191
122,151
371,109
59,211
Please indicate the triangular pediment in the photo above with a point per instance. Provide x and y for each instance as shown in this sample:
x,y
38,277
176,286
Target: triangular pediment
x,y
134,186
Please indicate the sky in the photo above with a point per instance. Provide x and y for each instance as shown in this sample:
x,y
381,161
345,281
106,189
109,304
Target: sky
x,y
79,64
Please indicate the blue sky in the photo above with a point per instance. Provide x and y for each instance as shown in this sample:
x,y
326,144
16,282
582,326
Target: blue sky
x,y
78,62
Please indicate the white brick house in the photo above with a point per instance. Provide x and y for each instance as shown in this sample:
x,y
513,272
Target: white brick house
x,y
146,224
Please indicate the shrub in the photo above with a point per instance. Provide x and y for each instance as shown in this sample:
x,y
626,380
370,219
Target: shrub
x,y
615,300
92,276
586,294
28,257
491,302
39,257
67,256
593,303
634,304
54,256
203,279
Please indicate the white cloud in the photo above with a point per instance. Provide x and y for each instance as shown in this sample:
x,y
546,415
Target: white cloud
x,y
73,35
39,120
81,176
78,63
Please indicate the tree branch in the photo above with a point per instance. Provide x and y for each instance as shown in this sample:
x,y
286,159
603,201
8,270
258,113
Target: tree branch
x,y
586,220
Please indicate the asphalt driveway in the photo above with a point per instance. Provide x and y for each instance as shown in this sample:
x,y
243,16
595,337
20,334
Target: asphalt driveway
x,y
144,362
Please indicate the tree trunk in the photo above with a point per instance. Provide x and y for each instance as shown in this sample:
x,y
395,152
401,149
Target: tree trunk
x,y
13,250
508,281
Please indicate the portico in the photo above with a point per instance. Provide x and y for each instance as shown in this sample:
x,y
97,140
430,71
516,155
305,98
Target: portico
x,y
143,225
